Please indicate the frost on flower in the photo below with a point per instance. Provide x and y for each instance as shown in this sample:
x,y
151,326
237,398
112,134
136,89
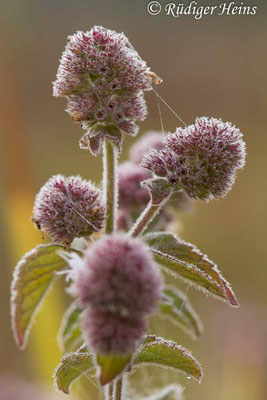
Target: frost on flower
x,y
118,287
68,208
201,159
103,79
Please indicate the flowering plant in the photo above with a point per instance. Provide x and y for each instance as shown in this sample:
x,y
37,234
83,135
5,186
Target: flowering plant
x,y
113,244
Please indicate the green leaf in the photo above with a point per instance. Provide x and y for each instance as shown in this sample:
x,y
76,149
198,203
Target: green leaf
x,y
149,339
33,276
111,365
71,367
184,260
166,353
176,306
70,333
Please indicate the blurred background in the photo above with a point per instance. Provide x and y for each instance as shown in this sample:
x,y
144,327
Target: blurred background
x,y
215,66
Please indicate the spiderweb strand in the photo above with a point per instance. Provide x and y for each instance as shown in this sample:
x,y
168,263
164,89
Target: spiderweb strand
x,y
160,116
80,215
184,298
87,377
169,107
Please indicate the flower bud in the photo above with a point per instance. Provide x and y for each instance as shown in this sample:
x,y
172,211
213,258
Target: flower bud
x,y
201,159
120,285
68,208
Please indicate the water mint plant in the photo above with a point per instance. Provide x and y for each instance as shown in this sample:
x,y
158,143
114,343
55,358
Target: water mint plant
x,y
113,244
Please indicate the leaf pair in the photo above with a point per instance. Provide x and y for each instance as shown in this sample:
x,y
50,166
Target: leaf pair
x,y
174,305
35,273
154,351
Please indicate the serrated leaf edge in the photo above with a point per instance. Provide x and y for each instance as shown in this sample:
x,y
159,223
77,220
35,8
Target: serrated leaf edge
x,y
23,340
170,344
81,351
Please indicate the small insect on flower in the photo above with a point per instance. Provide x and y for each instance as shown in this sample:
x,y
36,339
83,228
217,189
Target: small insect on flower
x,y
201,159
118,286
68,208
103,78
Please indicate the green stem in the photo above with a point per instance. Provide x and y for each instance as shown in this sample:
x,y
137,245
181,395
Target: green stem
x,y
118,390
145,218
158,198
110,185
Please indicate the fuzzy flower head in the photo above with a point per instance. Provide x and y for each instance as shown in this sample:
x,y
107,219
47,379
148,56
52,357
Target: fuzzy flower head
x,y
103,78
131,194
68,208
119,285
201,159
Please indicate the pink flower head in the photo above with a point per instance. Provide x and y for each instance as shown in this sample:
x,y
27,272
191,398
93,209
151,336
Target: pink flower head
x,y
121,285
68,208
150,140
108,333
103,78
201,159
131,194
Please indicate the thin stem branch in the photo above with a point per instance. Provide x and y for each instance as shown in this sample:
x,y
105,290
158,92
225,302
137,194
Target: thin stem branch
x,y
110,185
145,218
152,209
118,389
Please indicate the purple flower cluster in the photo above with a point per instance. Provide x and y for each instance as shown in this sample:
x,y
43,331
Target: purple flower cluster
x,y
201,159
133,197
68,208
131,194
103,78
119,285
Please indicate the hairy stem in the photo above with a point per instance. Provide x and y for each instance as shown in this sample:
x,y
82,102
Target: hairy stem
x,y
118,390
109,392
145,218
110,185
148,214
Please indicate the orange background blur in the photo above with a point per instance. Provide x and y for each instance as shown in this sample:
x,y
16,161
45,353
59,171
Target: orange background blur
x,y
215,66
